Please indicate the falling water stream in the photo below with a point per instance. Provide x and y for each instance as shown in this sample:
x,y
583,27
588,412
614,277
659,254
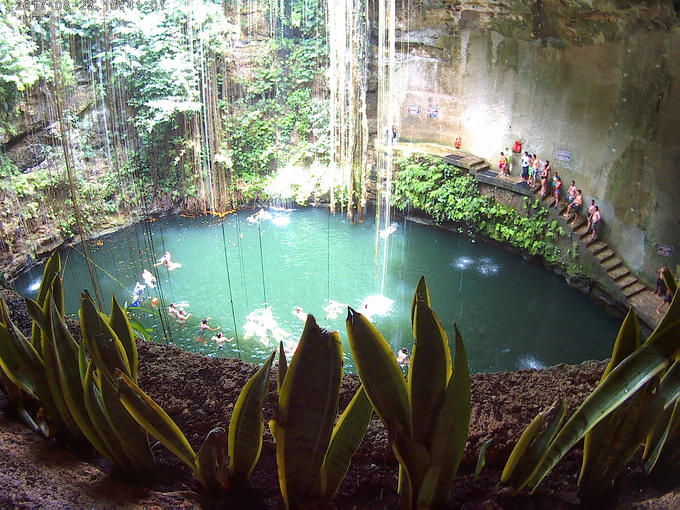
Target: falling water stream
x,y
511,314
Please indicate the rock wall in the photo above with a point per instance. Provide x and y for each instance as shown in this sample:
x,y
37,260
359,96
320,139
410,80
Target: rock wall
x,y
590,86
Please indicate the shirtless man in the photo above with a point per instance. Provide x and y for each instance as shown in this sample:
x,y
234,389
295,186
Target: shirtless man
x,y
575,206
148,278
220,339
595,221
203,326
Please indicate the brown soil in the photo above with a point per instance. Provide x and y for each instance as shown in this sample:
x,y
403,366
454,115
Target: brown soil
x,y
199,394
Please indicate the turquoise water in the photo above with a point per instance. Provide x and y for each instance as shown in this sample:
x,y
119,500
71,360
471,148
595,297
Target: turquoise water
x,y
510,313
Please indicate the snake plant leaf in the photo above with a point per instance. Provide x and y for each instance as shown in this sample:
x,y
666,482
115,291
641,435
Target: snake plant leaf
x,y
421,294
131,433
452,424
19,360
57,294
597,442
659,437
347,435
669,393
415,461
101,341
429,373
94,404
154,419
71,383
121,327
52,371
211,469
481,457
652,358
37,314
532,446
279,434
669,280
380,375
308,405
50,272
283,367
246,426
428,486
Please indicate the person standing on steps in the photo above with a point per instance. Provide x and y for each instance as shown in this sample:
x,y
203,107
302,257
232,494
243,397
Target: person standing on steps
x,y
591,210
525,166
575,206
660,288
503,165
666,299
535,167
595,221
557,183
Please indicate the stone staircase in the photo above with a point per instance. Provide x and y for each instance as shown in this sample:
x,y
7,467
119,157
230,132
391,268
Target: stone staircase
x,y
629,284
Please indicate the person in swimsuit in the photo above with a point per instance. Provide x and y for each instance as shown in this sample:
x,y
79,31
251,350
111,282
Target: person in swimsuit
x,y
203,326
535,167
575,206
571,192
137,294
589,217
667,297
595,221
148,278
220,339
660,288
503,164
545,175
557,183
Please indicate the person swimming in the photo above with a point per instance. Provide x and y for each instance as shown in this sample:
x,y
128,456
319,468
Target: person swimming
x,y
166,260
297,311
137,294
148,278
172,310
203,326
402,357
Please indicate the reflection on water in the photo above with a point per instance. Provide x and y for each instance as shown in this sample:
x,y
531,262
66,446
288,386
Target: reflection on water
x,y
251,271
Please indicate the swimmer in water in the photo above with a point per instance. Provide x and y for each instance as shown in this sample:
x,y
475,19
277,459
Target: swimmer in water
x,y
182,317
220,339
333,309
148,278
172,310
297,311
166,260
402,357
137,294
203,326
154,302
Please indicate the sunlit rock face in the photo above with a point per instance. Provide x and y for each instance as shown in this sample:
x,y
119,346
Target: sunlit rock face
x,y
592,86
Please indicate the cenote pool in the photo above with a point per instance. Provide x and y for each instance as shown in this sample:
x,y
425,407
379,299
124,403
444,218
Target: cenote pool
x,y
511,314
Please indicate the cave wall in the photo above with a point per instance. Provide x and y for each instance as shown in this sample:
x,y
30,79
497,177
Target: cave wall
x,y
602,85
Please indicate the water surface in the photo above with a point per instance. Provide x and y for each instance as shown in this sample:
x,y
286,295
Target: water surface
x,y
510,313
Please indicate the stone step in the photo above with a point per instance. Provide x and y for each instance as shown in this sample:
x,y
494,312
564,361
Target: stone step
x,y
581,229
626,282
604,255
619,272
597,246
580,225
612,263
634,289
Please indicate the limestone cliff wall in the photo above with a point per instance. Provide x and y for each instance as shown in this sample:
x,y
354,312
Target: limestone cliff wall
x,y
596,82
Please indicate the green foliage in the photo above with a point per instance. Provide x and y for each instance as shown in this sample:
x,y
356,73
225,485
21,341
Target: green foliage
x,y
628,408
313,455
429,419
449,195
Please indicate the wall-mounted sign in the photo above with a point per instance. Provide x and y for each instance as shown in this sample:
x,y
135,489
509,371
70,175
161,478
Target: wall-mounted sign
x,y
432,112
665,250
413,109
563,156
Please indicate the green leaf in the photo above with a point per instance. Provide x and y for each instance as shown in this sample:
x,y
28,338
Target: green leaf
x,y
379,373
452,424
481,457
154,419
308,405
245,428
655,355
211,469
429,373
19,359
346,438
121,327
283,367
101,341
71,383
421,294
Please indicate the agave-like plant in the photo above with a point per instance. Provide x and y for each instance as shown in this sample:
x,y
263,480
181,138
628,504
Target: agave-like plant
x,y
313,455
241,446
635,403
428,419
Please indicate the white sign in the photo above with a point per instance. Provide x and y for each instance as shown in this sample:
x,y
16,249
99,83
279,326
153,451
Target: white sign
x,y
413,109
665,250
563,156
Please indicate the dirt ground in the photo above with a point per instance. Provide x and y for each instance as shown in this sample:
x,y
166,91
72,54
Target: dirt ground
x,y
199,393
